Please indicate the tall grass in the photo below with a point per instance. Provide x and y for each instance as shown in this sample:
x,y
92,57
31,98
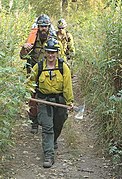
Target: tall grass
x,y
98,40
99,58
14,28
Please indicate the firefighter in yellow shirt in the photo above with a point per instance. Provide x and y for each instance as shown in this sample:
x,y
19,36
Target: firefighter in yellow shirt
x,y
53,84
66,38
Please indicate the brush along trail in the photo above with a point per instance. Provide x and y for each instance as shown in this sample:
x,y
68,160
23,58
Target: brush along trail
x,y
76,157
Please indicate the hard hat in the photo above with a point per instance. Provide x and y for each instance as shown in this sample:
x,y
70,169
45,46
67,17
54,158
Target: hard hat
x,y
52,45
61,23
43,20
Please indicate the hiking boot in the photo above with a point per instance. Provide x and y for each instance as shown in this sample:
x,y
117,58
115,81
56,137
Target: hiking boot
x,y
34,130
55,145
48,162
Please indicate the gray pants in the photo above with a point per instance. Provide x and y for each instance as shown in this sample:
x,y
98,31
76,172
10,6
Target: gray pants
x,y
51,119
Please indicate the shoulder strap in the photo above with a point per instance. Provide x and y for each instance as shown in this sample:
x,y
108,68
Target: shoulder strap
x,y
40,69
60,65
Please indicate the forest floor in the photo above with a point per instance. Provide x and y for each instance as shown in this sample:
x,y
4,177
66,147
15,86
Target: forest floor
x,y
76,157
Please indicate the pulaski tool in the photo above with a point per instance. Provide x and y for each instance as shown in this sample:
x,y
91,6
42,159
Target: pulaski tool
x,y
79,110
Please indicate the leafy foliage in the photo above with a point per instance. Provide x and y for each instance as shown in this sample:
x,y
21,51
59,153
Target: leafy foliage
x,y
13,30
100,57
97,30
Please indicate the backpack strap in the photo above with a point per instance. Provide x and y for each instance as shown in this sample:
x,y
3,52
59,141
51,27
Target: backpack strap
x,y
60,65
40,69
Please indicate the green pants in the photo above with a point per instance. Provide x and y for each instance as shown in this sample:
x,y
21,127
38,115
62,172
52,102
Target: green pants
x,y
51,119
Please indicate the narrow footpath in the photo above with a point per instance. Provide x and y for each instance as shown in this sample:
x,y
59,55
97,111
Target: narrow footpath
x,y
76,157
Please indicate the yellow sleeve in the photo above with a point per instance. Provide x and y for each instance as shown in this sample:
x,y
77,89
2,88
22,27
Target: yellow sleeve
x,y
67,87
61,52
70,44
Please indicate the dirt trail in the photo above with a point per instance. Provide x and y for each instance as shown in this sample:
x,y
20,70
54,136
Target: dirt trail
x,y
25,159
80,160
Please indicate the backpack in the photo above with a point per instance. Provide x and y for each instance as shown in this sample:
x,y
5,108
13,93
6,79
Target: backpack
x,y
40,68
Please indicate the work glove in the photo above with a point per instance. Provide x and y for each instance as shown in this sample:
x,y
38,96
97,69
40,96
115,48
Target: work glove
x,y
70,107
28,46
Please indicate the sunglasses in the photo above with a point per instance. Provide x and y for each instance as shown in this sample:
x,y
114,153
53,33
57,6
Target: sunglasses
x,y
60,27
43,26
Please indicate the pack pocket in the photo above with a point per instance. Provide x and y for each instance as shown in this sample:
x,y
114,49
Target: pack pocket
x,y
59,83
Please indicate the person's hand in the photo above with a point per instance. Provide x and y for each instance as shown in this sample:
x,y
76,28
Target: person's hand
x,y
70,107
28,46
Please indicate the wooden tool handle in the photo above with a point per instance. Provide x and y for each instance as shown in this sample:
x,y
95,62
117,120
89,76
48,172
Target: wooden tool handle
x,y
48,102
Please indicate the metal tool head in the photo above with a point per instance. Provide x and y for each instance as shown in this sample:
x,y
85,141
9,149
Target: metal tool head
x,y
80,112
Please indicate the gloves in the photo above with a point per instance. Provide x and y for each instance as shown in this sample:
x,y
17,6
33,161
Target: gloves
x,y
70,107
28,46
